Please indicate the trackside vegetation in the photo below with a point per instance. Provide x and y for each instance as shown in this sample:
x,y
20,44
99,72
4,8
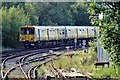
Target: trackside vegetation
x,y
12,18
109,27
83,63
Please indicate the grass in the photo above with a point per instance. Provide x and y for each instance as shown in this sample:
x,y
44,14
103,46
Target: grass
x,y
13,75
83,63
3,48
105,72
79,60
41,71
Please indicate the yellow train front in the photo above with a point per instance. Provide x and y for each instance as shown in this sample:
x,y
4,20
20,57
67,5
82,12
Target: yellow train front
x,y
27,36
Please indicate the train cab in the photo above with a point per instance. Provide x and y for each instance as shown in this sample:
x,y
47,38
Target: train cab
x,y
27,37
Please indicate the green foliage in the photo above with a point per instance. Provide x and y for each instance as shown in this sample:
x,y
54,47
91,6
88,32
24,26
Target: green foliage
x,y
62,13
41,70
84,63
15,15
109,27
3,48
54,13
10,25
11,4
105,73
93,46
79,61
30,11
80,15
28,8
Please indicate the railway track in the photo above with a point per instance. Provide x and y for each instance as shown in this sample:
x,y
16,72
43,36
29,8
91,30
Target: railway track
x,y
21,67
11,57
32,73
23,61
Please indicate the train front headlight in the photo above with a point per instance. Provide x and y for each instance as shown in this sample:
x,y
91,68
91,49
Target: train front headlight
x,y
23,39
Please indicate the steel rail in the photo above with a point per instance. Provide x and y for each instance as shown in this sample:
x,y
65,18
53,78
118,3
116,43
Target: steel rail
x,y
2,65
5,76
22,59
23,71
37,51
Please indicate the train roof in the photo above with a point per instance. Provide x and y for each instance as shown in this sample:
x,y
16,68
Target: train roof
x,y
79,26
49,27
41,27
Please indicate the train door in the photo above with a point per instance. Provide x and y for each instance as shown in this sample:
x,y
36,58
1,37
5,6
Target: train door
x,y
39,34
71,32
91,32
43,34
61,33
52,34
82,32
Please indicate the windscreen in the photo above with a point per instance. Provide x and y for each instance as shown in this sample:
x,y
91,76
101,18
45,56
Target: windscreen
x,y
27,31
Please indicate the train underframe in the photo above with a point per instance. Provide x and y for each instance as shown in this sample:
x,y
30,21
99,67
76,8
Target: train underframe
x,y
57,43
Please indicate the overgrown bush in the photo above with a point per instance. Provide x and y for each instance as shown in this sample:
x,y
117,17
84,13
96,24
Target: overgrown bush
x,y
105,73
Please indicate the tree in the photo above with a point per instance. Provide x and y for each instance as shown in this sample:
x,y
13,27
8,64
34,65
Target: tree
x,y
69,14
80,15
109,28
30,11
14,15
54,13
28,8
10,25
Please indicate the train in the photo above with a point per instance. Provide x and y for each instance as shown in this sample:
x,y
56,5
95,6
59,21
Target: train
x,y
40,36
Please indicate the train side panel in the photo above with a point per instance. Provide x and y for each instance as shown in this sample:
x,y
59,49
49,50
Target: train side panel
x,y
82,32
91,32
41,34
61,33
53,34
37,34
71,32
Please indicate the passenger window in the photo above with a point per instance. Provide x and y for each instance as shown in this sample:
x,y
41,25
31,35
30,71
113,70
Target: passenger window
x,y
62,32
80,29
69,30
83,29
27,31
